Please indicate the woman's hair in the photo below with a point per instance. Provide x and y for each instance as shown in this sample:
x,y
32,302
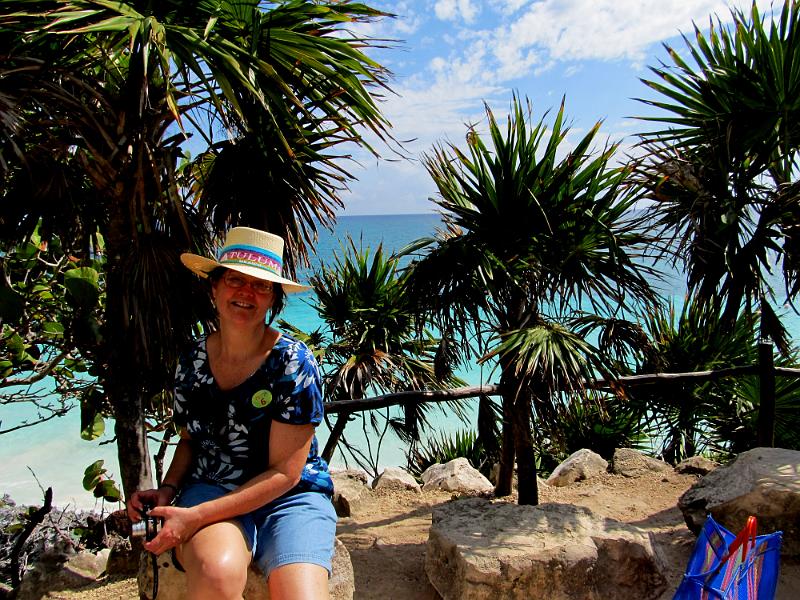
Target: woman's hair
x,y
278,295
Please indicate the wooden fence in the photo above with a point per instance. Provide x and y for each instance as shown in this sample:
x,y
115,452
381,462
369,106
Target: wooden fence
x,y
765,369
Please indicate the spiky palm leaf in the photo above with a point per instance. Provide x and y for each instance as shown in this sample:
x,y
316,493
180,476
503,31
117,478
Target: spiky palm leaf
x,y
681,414
530,234
111,92
721,170
376,343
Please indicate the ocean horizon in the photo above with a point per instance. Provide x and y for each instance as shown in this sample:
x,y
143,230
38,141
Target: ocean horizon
x,y
53,454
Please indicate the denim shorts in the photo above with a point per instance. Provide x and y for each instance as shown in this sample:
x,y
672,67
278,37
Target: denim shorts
x,y
295,528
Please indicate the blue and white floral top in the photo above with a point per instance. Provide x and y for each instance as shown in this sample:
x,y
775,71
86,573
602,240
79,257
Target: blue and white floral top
x,y
230,429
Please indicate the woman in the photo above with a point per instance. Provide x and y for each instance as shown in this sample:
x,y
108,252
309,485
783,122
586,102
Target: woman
x,y
246,480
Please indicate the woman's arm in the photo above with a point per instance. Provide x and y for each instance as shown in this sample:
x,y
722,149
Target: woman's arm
x,y
288,452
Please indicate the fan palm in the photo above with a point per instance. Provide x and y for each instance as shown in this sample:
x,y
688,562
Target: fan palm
x,y
682,415
734,422
722,172
101,103
532,231
370,343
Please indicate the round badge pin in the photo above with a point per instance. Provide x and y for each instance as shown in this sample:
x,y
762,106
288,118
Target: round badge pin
x,y
262,398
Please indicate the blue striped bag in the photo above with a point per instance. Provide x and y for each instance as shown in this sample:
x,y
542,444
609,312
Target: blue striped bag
x,y
724,566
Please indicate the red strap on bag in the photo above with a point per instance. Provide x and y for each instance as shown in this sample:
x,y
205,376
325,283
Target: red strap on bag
x,y
745,539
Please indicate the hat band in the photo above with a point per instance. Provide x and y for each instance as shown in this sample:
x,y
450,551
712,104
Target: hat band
x,y
251,256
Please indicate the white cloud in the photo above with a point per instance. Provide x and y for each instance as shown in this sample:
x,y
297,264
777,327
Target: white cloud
x,y
550,31
454,10
507,7
464,52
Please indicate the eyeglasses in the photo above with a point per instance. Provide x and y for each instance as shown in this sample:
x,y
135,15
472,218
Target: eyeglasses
x,y
232,280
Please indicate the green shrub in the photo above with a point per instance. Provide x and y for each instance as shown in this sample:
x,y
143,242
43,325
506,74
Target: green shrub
x,y
444,448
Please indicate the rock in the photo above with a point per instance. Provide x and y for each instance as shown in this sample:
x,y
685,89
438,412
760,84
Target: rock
x,y
77,571
632,463
394,478
762,482
357,474
350,492
455,476
580,465
172,582
696,465
479,550
123,559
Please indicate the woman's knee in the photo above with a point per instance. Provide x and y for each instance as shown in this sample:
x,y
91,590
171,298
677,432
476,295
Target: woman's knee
x,y
216,563
216,575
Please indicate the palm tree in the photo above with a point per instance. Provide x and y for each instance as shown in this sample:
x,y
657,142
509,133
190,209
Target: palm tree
x,y
722,174
682,415
373,340
532,231
100,104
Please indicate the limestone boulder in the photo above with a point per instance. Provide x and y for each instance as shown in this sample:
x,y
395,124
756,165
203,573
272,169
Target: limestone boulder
x,y
350,491
172,582
696,465
456,476
123,558
763,482
357,474
632,463
580,465
394,478
478,549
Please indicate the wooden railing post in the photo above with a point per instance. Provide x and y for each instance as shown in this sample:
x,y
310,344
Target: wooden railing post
x,y
766,384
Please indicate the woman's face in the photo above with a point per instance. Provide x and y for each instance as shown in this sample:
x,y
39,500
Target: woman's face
x,y
242,299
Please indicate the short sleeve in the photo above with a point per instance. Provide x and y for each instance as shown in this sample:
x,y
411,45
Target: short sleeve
x,y
179,416
188,376
297,391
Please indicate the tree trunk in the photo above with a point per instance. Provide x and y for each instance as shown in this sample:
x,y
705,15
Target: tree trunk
x,y
527,485
132,450
337,430
505,476
120,382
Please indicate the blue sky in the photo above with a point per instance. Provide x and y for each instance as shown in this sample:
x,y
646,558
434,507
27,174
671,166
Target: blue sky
x,y
453,55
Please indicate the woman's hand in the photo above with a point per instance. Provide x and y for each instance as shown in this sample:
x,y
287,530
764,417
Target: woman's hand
x,y
152,498
178,526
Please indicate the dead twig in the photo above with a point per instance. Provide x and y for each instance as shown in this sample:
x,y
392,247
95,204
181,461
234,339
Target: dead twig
x,y
33,520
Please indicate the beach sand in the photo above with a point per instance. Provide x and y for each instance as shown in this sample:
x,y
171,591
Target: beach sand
x,y
387,537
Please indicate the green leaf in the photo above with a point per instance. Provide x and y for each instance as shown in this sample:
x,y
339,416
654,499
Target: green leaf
x,y
90,482
108,490
17,346
83,285
95,467
53,328
26,251
94,429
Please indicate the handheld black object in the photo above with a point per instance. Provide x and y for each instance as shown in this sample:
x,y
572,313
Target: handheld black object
x,y
148,527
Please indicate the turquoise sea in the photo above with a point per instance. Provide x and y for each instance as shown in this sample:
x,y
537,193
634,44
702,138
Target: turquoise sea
x,y
54,454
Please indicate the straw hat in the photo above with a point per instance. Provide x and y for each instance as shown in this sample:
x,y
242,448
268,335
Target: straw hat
x,y
249,251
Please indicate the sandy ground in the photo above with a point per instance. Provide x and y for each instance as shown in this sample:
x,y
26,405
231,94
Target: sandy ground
x,y
387,537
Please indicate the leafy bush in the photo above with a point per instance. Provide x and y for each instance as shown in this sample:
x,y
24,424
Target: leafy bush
x,y
602,427
444,448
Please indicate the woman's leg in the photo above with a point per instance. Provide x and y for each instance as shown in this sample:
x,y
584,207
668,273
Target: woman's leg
x,y
295,545
215,561
298,581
